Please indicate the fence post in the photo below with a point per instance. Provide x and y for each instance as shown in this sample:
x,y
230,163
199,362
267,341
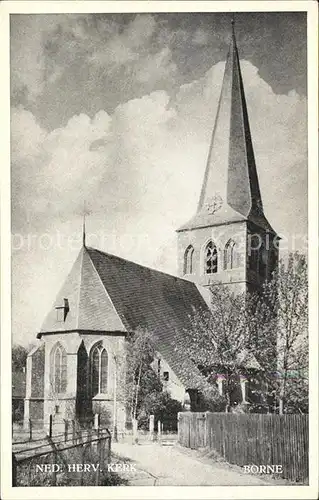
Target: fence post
x,y
14,470
102,452
73,432
89,437
135,437
108,448
79,436
97,477
55,455
55,458
83,447
50,426
96,421
30,429
159,430
205,430
223,437
151,428
66,430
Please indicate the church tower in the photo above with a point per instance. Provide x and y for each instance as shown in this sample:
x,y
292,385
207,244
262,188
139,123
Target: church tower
x,y
229,239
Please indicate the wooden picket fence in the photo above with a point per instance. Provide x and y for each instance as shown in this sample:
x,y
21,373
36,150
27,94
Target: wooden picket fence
x,y
251,439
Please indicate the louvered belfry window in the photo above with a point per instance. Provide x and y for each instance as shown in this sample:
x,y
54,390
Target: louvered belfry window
x,y
59,369
99,370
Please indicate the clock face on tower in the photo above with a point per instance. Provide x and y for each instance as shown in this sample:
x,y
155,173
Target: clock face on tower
x,y
214,204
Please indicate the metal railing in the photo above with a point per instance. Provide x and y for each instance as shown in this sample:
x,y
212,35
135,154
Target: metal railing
x,y
76,456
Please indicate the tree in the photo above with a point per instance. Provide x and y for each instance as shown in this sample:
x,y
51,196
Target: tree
x,y
216,339
19,357
268,327
144,390
140,376
163,407
287,296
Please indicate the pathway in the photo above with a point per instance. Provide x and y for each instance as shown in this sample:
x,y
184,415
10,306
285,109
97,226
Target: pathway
x,y
173,465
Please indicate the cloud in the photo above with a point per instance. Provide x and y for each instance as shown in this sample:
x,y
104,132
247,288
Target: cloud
x,y
22,60
200,37
129,51
140,169
68,56
154,137
27,135
43,50
114,55
140,30
151,143
123,46
86,62
155,68
34,41
279,132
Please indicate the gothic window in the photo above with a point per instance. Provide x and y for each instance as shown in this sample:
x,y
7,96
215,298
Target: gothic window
x,y
59,369
99,370
230,255
188,260
211,259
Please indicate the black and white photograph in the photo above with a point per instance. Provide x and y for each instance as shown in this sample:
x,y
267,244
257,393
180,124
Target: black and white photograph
x,y
160,199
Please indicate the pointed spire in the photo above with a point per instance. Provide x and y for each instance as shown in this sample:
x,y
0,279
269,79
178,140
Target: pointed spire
x,y
230,188
231,170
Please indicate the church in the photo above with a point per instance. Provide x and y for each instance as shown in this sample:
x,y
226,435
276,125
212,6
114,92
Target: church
x,y
79,368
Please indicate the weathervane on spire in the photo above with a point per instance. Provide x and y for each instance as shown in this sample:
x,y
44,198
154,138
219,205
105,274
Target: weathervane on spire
x,y
85,212
233,24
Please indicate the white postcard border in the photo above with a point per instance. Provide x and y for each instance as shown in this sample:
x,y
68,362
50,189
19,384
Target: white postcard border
x,y
135,492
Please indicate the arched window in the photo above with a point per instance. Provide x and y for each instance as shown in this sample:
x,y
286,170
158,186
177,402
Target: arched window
x,y
59,369
230,255
99,369
188,260
211,258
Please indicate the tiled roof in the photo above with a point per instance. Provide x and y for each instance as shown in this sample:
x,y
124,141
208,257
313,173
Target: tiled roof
x,y
18,385
90,306
158,302
224,216
107,293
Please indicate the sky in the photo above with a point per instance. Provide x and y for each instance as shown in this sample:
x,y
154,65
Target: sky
x,y
117,111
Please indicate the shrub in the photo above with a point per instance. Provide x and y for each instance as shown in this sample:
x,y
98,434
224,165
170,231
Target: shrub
x,y
162,406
